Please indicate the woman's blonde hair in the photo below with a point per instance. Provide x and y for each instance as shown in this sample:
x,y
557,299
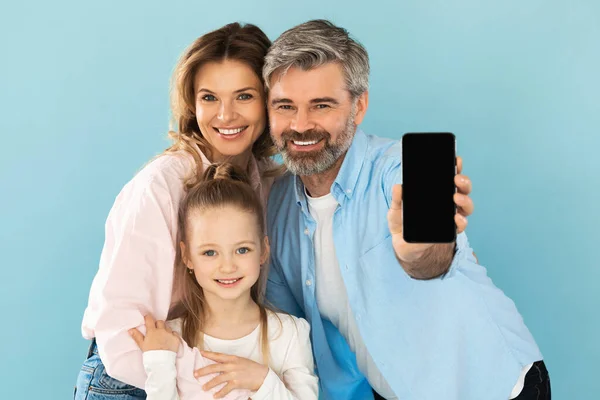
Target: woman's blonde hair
x,y
221,185
245,43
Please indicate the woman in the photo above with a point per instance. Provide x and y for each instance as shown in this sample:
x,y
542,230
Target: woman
x,y
218,104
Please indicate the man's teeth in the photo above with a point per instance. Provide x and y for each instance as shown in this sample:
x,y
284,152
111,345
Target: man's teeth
x,y
230,131
304,143
227,282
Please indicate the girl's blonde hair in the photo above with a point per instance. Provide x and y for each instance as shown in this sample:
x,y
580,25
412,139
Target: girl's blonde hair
x,y
221,185
245,43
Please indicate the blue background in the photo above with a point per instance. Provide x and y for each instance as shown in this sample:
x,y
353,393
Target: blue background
x,y
84,103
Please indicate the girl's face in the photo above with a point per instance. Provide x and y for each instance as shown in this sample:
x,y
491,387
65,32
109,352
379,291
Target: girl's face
x,y
230,107
225,250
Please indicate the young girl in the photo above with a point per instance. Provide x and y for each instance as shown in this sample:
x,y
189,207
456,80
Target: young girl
x,y
221,272
218,108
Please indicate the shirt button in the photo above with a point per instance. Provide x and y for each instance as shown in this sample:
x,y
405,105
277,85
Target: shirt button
x,y
308,282
306,231
348,191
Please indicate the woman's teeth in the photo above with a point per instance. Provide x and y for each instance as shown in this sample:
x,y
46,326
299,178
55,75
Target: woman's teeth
x,y
304,143
230,131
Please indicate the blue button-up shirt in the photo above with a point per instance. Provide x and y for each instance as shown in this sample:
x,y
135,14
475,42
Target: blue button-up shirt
x,y
454,337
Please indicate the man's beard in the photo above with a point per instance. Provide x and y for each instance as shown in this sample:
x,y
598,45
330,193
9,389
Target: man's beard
x,y
318,161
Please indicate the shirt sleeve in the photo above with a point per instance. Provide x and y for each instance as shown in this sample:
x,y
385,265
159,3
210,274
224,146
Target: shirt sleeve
x,y
135,276
392,176
298,380
161,381
135,279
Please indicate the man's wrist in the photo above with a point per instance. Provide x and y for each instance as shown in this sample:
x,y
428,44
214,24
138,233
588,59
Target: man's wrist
x,y
434,262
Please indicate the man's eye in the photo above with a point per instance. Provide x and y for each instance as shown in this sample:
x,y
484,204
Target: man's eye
x,y
285,107
322,106
243,250
210,253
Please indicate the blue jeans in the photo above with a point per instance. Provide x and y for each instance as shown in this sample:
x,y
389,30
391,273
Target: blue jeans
x,y
93,383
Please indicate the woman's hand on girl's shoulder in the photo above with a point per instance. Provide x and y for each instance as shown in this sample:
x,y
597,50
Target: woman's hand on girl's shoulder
x,y
158,336
237,372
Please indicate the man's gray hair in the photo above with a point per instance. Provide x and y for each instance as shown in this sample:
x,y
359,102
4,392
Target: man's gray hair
x,y
315,43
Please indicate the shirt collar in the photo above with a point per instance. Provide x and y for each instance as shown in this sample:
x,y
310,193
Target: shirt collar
x,y
254,172
351,166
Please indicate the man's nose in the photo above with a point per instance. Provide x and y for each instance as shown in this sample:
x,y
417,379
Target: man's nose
x,y
301,121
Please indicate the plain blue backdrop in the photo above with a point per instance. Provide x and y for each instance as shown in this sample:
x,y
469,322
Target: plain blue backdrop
x,y
84,103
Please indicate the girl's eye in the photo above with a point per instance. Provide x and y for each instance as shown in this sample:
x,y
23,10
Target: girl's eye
x,y
245,96
243,250
210,253
209,97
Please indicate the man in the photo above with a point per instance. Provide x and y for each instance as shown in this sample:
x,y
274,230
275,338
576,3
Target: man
x,y
389,319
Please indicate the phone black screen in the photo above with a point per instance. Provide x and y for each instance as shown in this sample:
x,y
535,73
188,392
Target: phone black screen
x,y
428,170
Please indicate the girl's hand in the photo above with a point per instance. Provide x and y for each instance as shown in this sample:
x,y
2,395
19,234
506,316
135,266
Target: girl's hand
x,y
238,372
158,336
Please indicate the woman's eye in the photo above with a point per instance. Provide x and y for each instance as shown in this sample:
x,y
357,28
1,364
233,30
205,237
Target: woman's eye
x,y
243,250
209,97
245,96
210,253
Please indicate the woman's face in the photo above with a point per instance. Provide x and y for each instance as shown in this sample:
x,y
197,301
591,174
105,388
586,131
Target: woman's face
x,y
230,108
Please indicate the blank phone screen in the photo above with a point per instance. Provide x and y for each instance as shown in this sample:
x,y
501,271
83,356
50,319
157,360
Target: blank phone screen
x,y
428,170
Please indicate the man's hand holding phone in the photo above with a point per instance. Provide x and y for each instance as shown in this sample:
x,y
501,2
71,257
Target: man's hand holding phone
x,y
431,206
464,207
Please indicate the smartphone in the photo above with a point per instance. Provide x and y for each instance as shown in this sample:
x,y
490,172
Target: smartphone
x,y
428,170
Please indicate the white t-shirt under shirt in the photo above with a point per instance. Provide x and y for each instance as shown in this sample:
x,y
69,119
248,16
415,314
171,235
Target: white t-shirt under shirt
x,y
332,298
291,370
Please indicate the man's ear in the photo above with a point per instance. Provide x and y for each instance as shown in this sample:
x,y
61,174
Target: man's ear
x,y
362,103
